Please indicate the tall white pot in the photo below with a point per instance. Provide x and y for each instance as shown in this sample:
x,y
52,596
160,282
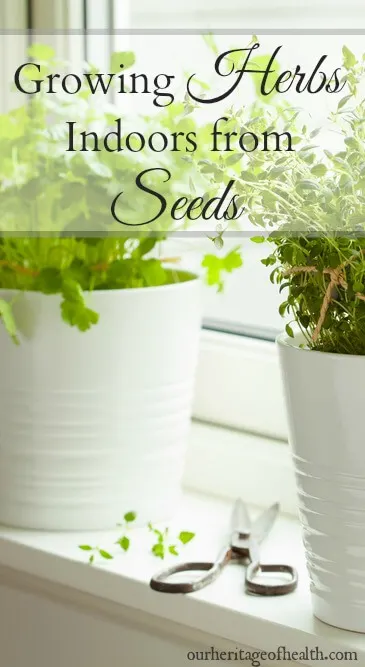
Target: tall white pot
x,y
325,399
95,424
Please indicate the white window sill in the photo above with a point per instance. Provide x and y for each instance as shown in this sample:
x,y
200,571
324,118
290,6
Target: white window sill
x,y
51,564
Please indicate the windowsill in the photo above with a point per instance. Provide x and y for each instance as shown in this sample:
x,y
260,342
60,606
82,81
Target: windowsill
x,y
51,561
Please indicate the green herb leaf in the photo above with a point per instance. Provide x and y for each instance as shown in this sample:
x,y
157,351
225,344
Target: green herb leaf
x,y
85,547
185,537
41,52
8,320
216,266
233,159
118,58
124,543
349,59
173,550
105,554
153,272
130,516
257,239
158,550
289,331
319,170
77,315
50,281
344,101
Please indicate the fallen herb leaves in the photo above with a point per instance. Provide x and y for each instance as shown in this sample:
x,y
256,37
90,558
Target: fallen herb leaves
x,y
160,548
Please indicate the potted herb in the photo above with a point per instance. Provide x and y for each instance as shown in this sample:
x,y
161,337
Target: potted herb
x,y
101,334
311,202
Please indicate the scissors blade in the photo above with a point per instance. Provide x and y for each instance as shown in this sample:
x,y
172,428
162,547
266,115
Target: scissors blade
x,y
265,522
240,522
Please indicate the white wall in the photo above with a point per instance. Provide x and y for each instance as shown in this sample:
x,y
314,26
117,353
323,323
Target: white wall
x,y
39,630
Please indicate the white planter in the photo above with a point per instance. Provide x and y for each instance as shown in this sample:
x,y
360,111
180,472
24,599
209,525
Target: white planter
x,y
325,398
95,424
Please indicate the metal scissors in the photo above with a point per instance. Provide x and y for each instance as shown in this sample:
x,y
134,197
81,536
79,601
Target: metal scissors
x,y
243,546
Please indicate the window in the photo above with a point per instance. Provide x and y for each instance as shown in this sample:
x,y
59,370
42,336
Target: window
x,y
238,378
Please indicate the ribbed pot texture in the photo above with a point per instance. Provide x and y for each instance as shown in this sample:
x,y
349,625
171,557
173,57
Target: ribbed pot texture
x,y
95,424
325,400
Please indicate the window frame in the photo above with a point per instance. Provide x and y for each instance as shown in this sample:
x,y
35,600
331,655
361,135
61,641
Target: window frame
x,y
12,13
239,385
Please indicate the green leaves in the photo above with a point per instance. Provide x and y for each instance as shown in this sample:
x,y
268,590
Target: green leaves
x,y
153,272
95,551
163,546
217,266
289,331
50,281
7,317
319,170
343,101
78,315
307,184
60,193
349,59
185,537
124,542
73,308
233,159
41,52
118,58
160,548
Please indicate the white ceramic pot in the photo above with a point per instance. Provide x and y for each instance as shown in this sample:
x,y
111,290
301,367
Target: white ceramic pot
x,y
325,399
95,424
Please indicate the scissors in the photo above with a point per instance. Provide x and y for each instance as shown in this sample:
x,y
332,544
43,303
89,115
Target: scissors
x,y
243,546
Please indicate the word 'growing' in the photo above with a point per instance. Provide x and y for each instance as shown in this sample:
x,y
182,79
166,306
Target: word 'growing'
x,y
234,65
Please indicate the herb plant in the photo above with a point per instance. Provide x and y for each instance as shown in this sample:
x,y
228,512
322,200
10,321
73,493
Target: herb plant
x,y
309,204
57,233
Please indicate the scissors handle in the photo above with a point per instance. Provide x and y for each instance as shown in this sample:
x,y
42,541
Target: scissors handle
x,y
160,581
259,588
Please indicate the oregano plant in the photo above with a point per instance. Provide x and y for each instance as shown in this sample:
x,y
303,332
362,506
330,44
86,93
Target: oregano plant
x,y
308,204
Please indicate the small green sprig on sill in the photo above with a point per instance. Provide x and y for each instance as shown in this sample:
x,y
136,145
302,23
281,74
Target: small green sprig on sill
x,y
124,541
162,546
95,550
